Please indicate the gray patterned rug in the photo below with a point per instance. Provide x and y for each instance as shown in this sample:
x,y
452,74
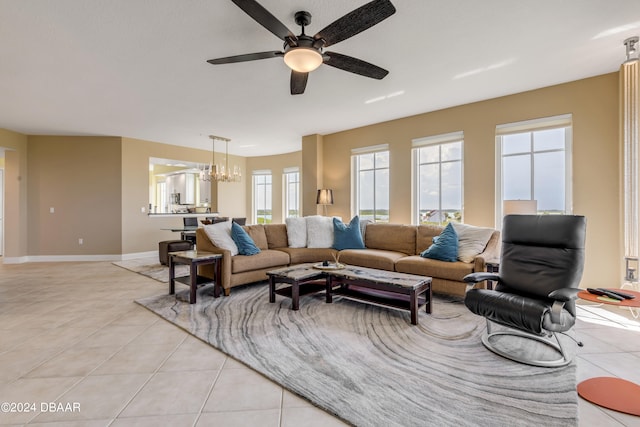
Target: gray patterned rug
x,y
152,268
370,367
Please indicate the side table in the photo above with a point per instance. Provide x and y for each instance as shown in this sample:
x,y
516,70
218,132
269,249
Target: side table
x,y
612,392
193,259
492,266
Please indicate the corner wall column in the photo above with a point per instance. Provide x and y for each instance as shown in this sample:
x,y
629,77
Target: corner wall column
x,y
312,171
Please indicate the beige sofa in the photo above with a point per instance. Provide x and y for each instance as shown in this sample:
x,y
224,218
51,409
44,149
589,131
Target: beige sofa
x,y
392,247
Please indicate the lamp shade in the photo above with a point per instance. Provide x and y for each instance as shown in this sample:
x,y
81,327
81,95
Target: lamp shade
x,y
302,59
325,197
519,207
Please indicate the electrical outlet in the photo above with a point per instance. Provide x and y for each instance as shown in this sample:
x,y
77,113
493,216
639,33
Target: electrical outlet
x,y
143,209
52,210
80,241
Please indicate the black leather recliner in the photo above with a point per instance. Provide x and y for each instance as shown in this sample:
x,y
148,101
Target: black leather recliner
x,y
541,265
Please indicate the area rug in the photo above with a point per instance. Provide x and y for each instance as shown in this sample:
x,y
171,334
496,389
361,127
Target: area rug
x,y
370,367
152,268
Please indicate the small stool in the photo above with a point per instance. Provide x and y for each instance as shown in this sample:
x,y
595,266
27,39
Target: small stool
x,y
167,246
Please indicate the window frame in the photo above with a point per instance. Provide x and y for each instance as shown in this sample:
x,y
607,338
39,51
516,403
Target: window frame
x,y
355,178
430,141
565,122
254,185
286,183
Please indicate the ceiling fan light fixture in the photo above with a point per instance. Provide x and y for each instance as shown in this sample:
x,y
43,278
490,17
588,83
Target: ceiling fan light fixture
x,y
303,59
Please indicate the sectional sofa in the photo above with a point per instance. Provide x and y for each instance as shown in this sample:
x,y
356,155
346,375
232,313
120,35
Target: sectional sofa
x,y
392,247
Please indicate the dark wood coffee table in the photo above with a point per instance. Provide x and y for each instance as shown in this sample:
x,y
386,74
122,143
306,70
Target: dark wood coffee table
x,y
193,259
380,287
387,288
303,279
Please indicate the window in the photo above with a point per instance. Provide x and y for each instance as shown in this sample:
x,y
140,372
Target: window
x,y
370,183
534,163
291,179
262,211
437,179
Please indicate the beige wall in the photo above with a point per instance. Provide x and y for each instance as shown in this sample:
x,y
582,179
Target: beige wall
x,y
80,178
276,164
142,232
593,103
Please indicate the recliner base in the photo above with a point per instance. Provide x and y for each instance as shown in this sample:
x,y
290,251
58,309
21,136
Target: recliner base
x,y
557,346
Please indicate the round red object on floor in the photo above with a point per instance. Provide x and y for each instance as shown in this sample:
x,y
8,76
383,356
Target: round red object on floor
x,y
613,393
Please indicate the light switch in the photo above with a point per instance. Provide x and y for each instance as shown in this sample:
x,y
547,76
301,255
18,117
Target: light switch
x,y
52,210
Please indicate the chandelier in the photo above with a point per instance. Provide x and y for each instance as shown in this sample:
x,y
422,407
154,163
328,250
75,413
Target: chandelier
x,y
220,172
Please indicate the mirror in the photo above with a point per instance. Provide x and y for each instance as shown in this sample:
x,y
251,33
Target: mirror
x,y
177,187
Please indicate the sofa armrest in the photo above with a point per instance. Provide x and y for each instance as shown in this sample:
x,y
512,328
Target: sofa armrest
x,y
491,251
203,243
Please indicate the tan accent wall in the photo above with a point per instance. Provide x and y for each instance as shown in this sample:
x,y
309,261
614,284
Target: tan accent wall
x,y
276,164
312,177
15,193
80,178
593,103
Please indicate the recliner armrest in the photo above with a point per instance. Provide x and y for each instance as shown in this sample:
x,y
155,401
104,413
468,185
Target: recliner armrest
x,y
480,277
564,294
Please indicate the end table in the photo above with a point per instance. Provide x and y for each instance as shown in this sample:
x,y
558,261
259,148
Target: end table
x,y
492,266
193,259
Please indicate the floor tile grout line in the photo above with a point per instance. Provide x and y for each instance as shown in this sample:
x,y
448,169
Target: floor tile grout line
x,y
150,377
586,307
208,396
88,374
280,415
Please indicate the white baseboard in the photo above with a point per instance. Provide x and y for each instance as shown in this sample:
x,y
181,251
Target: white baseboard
x,y
77,258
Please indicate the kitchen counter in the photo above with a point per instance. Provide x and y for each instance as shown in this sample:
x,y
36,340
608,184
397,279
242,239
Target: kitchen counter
x,y
181,215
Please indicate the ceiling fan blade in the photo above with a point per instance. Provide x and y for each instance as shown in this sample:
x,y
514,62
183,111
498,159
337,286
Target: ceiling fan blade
x,y
298,82
263,17
356,21
246,57
355,65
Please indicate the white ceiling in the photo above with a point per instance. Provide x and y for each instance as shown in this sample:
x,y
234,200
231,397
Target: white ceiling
x,y
137,68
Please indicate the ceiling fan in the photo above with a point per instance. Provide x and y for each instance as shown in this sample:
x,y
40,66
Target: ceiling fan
x,y
304,53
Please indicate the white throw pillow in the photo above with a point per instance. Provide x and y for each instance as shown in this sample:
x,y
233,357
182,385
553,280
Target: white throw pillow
x,y
319,231
471,240
297,232
220,235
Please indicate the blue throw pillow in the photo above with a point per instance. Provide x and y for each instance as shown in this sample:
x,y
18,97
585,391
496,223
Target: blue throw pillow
x,y
245,243
444,247
347,236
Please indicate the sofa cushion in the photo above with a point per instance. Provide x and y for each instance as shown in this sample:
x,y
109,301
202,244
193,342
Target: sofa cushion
x,y
302,255
265,259
471,240
391,237
220,235
416,264
258,235
347,236
296,232
372,258
444,247
276,235
319,231
425,234
245,243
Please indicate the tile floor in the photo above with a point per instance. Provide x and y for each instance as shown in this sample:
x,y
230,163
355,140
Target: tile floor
x,y
70,333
